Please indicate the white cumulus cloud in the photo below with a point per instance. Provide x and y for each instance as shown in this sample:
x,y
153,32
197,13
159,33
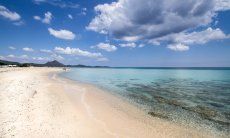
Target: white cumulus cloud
x,y
83,11
28,49
77,52
41,58
151,20
141,45
178,47
222,5
106,46
57,57
70,16
127,19
131,45
201,37
37,17
196,37
6,13
47,18
62,34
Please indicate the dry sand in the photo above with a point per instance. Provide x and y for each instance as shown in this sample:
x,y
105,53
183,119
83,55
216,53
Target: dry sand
x,y
35,102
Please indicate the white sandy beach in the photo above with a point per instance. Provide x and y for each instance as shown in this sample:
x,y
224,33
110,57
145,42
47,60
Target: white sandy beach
x,y
35,102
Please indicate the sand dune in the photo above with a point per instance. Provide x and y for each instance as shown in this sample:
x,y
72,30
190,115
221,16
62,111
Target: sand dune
x,y
35,102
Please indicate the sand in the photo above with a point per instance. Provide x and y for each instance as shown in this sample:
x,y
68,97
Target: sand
x,y
36,102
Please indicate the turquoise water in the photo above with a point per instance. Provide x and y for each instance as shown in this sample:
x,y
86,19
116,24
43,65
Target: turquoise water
x,y
199,97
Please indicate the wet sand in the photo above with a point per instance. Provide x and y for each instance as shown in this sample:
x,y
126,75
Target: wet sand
x,y
36,102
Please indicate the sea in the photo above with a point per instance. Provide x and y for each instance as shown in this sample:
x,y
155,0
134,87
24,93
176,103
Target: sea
x,y
197,97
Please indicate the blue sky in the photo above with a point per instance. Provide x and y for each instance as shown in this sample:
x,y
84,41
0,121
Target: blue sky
x,y
116,33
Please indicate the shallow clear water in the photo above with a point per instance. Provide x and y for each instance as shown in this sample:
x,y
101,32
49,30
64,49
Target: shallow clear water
x,y
194,97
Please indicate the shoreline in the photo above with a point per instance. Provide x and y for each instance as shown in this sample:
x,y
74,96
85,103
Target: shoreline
x,y
49,105
153,114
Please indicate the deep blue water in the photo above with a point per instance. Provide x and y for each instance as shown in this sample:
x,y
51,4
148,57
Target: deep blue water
x,y
199,96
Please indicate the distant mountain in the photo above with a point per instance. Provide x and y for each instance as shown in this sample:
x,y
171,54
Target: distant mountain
x,y
48,64
4,62
54,63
